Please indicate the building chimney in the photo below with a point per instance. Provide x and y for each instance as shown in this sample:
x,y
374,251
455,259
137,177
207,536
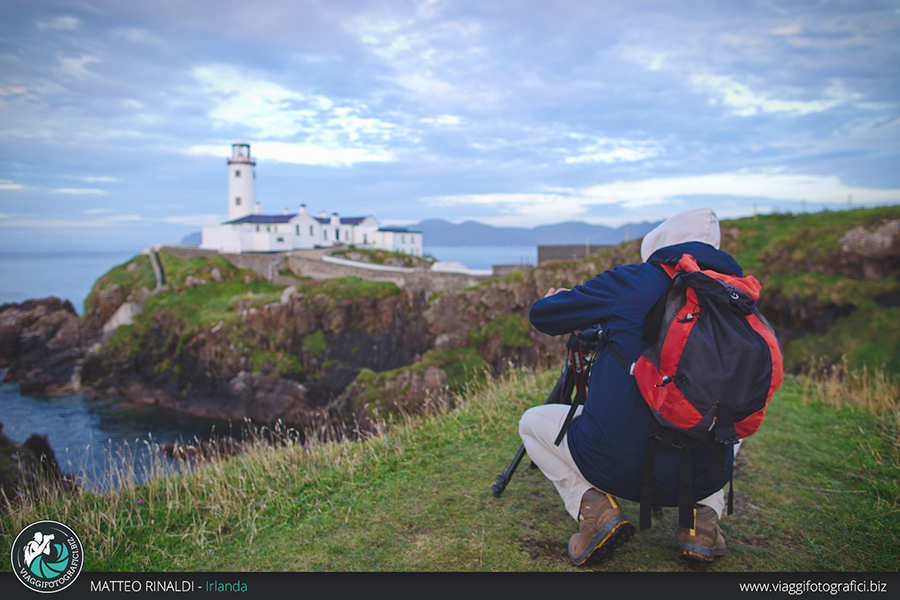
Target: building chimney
x,y
302,210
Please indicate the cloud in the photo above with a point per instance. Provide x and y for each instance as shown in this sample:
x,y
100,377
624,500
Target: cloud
x,y
100,218
327,131
553,205
605,150
6,184
59,23
136,35
747,184
76,67
193,220
42,222
80,191
100,179
744,102
442,120
304,154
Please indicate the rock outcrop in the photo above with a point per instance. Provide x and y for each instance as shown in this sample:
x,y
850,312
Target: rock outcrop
x,y
30,469
41,344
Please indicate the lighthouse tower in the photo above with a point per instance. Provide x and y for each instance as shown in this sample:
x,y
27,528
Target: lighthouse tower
x,y
241,182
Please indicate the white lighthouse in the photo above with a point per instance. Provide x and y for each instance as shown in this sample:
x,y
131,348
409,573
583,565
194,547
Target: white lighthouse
x,y
241,182
247,230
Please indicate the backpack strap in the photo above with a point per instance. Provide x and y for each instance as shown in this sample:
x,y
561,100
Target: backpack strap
x,y
661,437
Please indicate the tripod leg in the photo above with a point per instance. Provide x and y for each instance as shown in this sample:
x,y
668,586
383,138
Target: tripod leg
x,y
504,477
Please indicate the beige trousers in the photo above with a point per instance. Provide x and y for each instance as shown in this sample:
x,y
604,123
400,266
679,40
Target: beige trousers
x,y
538,429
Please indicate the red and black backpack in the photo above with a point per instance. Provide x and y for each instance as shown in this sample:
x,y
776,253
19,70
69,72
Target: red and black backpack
x,y
709,373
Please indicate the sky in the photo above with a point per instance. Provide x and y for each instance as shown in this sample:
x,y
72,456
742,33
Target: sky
x,y
116,117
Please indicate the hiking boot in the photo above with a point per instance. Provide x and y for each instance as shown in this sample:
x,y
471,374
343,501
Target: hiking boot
x,y
705,541
603,527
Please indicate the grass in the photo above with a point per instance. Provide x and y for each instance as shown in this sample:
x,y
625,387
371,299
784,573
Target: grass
x,y
780,242
818,489
132,275
868,337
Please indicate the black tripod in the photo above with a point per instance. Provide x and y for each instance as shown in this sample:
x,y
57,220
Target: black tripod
x,y
582,350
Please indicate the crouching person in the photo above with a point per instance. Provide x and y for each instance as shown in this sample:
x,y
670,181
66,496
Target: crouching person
x,y
600,458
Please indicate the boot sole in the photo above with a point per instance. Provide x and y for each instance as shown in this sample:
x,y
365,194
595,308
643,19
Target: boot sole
x,y
701,553
618,531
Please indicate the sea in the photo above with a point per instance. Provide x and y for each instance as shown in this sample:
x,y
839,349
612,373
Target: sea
x,y
102,443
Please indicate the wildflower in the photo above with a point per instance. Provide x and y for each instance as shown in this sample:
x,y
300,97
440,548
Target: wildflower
x,y
140,500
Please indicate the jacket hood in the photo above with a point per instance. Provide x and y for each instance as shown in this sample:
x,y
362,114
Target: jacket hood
x,y
700,225
705,255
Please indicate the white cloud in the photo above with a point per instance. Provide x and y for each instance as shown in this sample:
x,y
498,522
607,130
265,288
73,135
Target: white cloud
x,y
76,67
80,191
59,23
305,154
606,150
6,184
136,35
745,102
32,222
748,184
340,133
100,218
553,205
100,179
444,120
193,220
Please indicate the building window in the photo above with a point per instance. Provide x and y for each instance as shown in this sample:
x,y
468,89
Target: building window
x,y
281,239
237,200
237,172
324,234
402,239
337,235
257,228
347,235
298,230
311,230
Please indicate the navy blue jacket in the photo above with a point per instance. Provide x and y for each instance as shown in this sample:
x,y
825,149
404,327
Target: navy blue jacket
x,y
607,439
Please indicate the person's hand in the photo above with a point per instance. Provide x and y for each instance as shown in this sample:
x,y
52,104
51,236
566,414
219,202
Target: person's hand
x,y
552,291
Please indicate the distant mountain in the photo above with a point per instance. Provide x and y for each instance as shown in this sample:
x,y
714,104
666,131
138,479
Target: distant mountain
x,y
192,239
438,232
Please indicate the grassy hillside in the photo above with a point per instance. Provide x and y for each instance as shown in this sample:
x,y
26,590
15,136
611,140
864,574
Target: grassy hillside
x,y
818,489
804,259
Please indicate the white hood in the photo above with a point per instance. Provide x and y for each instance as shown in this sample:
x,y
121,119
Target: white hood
x,y
700,225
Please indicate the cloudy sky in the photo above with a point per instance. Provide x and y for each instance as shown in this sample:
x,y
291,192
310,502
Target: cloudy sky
x,y
117,116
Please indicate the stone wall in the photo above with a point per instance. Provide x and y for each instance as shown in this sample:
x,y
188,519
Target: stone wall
x,y
566,252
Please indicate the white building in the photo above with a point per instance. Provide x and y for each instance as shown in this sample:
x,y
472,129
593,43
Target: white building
x,y
246,230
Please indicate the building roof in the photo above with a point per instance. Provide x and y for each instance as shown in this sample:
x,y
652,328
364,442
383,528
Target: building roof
x,y
262,219
344,220
398,229
270,219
